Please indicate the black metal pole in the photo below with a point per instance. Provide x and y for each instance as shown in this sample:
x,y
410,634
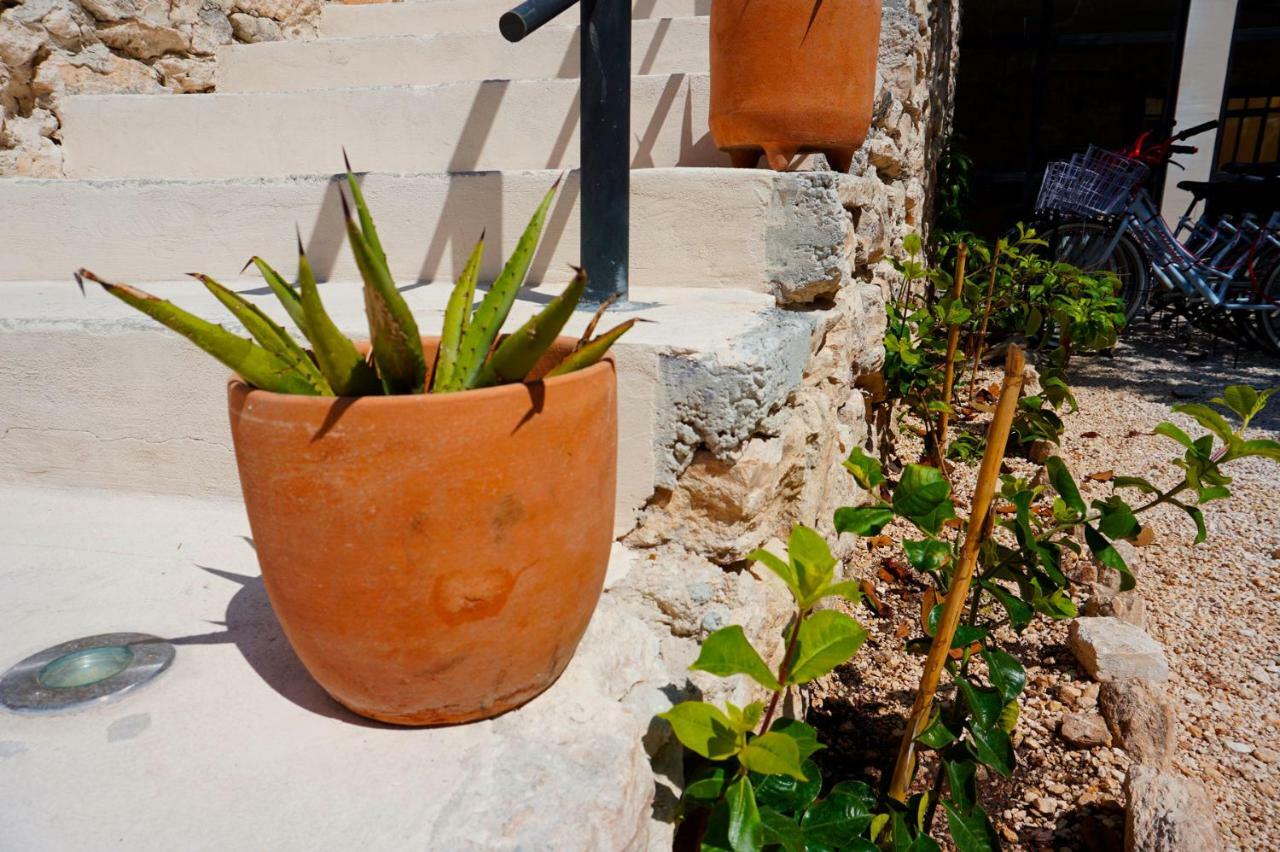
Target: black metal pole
x,y
530,15
605,143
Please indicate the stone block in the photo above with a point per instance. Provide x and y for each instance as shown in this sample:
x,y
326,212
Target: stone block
x,y
1085,730
1142,720
1167,813
1110,649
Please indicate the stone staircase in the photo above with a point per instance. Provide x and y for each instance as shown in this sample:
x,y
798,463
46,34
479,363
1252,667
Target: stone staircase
x,y
737,404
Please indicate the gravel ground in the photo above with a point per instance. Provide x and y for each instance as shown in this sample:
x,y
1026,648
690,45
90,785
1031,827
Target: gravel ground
x,y
1215,607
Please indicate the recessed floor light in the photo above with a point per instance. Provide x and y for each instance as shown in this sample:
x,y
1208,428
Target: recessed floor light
x,y
83,671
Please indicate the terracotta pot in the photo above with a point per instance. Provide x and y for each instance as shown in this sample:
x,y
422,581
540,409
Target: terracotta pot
x,y
792,75
433,558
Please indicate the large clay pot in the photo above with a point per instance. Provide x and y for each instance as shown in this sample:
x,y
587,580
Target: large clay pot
x,y
433,558
792,75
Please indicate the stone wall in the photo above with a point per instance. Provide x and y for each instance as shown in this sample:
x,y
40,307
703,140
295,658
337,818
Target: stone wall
x,y
771,456
52,48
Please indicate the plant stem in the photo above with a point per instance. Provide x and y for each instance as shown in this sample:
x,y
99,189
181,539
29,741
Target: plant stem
x,y
784,671
939,651
986,315
953,340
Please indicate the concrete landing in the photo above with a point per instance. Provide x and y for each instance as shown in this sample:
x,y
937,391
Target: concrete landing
x,y
235,747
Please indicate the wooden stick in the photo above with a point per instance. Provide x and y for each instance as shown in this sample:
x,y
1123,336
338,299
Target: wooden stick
x,y
982,332
953,340
958,593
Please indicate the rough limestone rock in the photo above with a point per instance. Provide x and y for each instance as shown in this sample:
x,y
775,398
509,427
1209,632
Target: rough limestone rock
x,y
1127,606
187,75
1085,730
92,71
252,29
1110,649
1166,812
141,39
1142,720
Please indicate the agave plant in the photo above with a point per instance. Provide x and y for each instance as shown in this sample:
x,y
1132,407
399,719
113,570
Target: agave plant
x,y
470,354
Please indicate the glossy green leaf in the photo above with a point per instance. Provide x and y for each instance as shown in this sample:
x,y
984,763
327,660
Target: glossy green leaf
x,y
1208,418
928,555
863,520
984,704
962,783
744,719
772,754
841,817
457,317
813,563
922,496
727,652
1064,484
1116,518
806,737
972,832
992,747
746,834
1019,611
1134,482
1005,673
784,570
708,786
1171,431
1009,716
826,639
782,831
1106,553
936,734
850,590
787,793
250,361
866,470
703,729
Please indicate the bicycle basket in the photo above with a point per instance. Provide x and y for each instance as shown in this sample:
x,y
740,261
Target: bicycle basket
x,y
1099,183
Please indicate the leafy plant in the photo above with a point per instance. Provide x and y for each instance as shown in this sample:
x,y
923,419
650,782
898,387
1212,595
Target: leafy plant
x,y
471,353
759,789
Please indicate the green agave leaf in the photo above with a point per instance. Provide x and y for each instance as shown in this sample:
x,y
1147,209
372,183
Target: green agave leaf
x,y
287,296
457,316
250,361
592,351
704,729
772,754
366,220
393,332
339,360
496,305
270,335
826,639
521,350
727,652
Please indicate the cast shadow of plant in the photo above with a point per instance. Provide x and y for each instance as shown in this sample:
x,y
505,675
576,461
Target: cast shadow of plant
x,y
252,627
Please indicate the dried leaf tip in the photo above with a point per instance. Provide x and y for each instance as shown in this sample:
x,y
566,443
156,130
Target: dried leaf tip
x,y
79,283
248,263
298,231
345,159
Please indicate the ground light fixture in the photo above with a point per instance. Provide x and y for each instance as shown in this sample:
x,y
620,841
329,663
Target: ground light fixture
x,y
83,671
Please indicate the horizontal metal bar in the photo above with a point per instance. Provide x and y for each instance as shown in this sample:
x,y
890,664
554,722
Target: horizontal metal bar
x,y
530,15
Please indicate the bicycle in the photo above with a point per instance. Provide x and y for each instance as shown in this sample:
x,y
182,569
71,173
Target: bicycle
x,y
1219,272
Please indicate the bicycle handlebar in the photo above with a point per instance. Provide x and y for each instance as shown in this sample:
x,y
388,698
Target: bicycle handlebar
x,y
1194,131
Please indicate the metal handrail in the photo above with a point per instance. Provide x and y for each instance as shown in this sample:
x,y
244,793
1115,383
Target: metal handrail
x,y
604,137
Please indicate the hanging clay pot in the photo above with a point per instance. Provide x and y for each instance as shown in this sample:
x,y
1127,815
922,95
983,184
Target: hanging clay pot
x,y
792,76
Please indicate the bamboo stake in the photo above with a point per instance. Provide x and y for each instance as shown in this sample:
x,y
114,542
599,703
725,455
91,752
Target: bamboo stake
x,y
982,332
953,340
958,593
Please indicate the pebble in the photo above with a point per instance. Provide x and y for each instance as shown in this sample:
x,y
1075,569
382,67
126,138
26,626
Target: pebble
x,y
1259,674
1239,747
1047,805
1265,754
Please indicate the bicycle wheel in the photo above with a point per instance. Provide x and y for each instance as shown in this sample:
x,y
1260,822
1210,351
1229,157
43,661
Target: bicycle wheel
x,y
1085,244
1266,324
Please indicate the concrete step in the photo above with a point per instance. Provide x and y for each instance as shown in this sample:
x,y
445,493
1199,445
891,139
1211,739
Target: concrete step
x,y
436,16
689,227
98,395
465,126
224,737
665,46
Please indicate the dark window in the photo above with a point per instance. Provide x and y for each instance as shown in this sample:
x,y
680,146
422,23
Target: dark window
x,y
1251,103
1041,80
